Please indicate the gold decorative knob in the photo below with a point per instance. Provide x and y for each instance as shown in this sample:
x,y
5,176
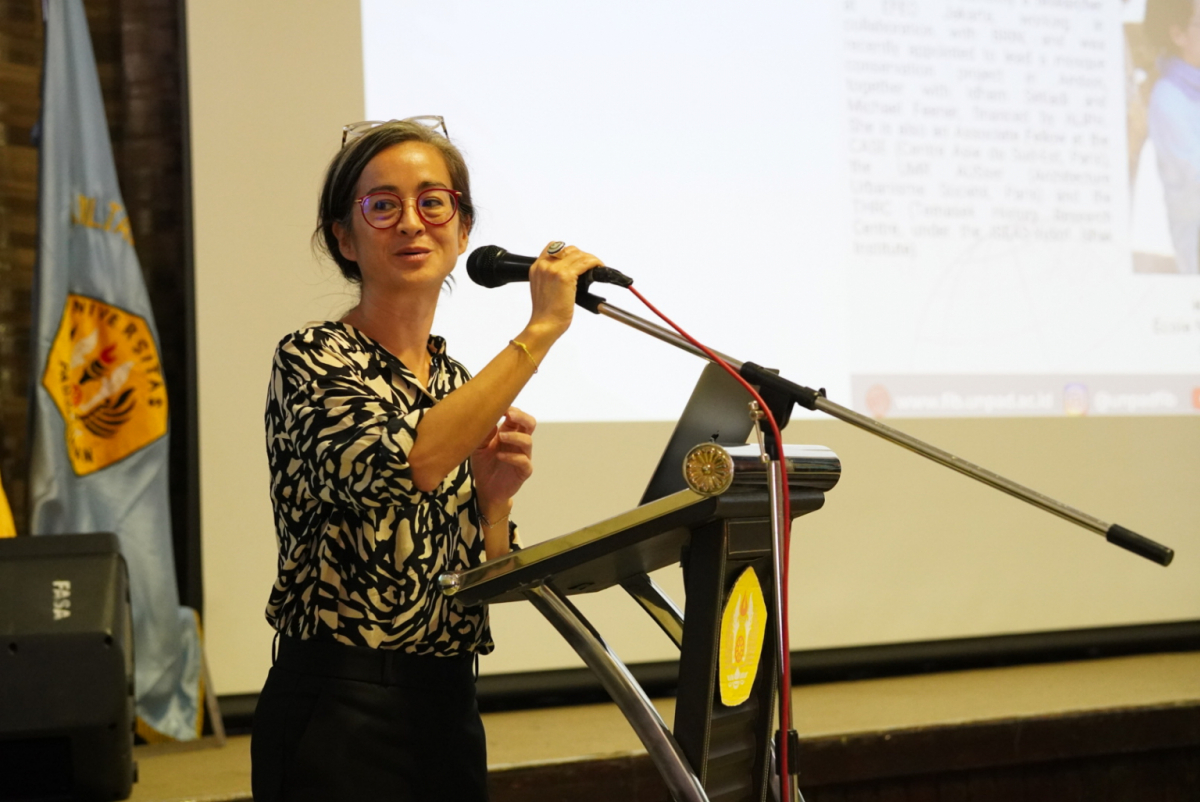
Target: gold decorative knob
x,y
708,469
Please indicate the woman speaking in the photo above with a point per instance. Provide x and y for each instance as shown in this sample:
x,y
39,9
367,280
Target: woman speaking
x,y
391,464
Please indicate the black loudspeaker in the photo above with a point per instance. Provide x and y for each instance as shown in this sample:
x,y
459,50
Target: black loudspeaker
x,y
66,669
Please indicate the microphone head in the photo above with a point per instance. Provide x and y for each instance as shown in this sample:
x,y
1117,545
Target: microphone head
x,y
482,264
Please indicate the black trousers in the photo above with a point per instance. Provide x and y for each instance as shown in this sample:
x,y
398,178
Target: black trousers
x,y
338,722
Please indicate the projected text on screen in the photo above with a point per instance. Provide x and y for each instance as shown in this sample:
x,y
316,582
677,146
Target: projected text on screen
x,y
949,208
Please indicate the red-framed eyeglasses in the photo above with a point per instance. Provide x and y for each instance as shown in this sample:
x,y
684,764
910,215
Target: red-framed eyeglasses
x,y
435,206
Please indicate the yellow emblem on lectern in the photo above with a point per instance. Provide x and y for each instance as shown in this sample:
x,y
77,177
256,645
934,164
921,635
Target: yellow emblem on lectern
x,y
743,626
105,378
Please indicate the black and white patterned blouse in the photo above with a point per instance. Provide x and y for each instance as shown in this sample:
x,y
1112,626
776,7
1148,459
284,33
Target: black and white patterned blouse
x,y
360,547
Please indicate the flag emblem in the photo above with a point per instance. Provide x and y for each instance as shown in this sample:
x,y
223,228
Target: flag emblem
x,y
105,378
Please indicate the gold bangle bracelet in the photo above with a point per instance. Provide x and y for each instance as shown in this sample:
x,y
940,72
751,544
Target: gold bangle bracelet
x,y
489,524
525,349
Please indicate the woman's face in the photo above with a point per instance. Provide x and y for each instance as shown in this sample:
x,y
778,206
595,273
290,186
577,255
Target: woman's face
x,y
412,253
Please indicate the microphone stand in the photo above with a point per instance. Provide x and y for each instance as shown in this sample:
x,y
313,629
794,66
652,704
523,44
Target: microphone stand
x,y
780,394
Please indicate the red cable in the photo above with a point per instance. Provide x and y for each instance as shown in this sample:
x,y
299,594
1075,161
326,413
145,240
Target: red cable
x,y
785,696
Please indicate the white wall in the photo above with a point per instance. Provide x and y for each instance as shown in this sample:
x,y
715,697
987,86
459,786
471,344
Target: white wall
x,y
903,550
271,86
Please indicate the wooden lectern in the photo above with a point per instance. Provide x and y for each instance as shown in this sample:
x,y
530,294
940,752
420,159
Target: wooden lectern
x,y
714,752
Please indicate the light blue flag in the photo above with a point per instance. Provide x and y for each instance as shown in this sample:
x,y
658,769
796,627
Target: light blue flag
x,y
100,436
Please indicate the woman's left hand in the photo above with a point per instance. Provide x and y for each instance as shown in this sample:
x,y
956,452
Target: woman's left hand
x,y
503,461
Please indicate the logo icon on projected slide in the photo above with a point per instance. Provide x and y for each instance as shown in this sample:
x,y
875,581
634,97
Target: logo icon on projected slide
x,y
105,378
879,400
1075,399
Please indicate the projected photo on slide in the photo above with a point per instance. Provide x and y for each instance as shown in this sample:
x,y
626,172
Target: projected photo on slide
x,y
1163,76
931,209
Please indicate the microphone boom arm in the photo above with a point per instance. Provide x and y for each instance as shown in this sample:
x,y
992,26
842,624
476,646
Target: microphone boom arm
x,y
816,400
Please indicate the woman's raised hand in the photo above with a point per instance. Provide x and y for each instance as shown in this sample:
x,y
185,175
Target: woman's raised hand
x,y
552,280
503,461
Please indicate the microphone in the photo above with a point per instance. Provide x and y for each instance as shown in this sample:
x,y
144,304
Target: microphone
x,y
492,266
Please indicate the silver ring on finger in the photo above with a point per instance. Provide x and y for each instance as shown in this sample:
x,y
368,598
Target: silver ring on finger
x,y
555,247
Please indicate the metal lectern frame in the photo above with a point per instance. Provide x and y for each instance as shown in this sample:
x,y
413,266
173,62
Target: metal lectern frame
x,y
623,550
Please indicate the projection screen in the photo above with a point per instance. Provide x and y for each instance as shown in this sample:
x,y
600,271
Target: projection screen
x,y
947,214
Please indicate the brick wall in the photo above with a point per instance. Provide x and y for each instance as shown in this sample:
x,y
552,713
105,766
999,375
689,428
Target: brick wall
x,y
20,69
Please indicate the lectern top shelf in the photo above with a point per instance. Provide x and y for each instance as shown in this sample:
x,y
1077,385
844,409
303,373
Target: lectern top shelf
x,y
584,560
639,541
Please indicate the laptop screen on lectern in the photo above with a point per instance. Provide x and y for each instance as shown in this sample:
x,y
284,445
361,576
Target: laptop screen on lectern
x,y
717,412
